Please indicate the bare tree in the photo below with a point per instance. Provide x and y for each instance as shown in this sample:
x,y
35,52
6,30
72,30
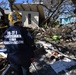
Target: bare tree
x,y
3,4
55,8
27,1
74,2
11,3
51,7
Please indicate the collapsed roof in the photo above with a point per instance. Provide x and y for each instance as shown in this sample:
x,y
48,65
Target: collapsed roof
x,y
30,7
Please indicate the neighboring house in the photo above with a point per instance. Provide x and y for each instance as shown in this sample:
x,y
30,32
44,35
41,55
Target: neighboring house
x,y
67,20
32,14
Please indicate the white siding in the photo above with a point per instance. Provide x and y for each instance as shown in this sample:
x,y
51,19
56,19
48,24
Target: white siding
x,y
34,18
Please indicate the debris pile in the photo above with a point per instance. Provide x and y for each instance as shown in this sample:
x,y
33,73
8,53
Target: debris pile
x,y
65,33
56,57
3,62
56,51
54,62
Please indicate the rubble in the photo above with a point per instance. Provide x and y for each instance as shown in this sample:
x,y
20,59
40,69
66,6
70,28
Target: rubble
x,y
58,62
54,57
3,62
65,48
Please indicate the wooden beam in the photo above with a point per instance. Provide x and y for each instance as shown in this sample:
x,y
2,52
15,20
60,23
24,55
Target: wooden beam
x,y
22,7
30,7
16,7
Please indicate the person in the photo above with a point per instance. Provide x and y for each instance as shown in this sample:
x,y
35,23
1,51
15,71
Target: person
x,y
19,44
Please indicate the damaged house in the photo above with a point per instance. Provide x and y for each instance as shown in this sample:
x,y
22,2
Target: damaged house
x,y
32,14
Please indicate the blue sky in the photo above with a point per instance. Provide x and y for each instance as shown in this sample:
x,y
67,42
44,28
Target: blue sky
x,y
19,1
